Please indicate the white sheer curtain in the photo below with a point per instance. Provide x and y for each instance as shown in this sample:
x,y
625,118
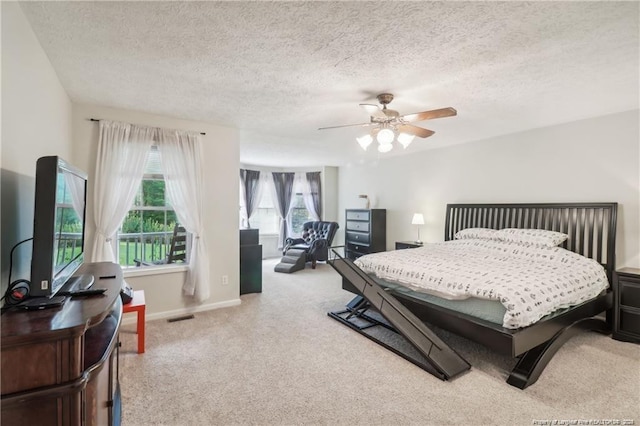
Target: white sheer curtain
x,y
311,200
122,151
76,187
180,154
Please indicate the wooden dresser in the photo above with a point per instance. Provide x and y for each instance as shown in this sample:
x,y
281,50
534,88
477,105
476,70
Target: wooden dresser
x,y
60,365
365,232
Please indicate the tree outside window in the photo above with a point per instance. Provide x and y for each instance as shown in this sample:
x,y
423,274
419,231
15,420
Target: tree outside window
x,y
299,215
146,231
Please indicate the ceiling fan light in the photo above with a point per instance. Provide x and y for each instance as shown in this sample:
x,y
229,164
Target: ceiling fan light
x,y
384,147
405,139
385,137
365,141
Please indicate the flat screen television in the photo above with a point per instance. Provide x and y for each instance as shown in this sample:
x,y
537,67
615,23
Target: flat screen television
x,y
58,227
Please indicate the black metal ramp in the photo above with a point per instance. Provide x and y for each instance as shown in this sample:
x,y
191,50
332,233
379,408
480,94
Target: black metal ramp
x,y
438,358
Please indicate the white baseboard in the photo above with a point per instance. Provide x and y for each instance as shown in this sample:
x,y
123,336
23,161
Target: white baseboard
x,y
131,318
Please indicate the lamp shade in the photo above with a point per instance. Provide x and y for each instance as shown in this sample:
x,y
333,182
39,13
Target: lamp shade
x,y
365,141
405,139
385,136
385,147
418,219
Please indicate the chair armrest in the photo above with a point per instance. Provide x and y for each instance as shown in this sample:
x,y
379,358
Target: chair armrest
x,y
319,250
318,244
290,242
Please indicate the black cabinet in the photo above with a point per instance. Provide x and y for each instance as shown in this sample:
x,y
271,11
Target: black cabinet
x,y
407,244
626,309
365,232
250,262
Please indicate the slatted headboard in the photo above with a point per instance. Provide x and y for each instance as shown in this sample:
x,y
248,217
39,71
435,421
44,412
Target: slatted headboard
x,y
591,226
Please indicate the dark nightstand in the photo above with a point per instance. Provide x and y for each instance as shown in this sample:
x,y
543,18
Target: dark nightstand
x,y
407,244
626,305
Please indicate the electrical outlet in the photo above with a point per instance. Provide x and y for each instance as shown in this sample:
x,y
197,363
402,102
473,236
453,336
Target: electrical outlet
x,y
225,280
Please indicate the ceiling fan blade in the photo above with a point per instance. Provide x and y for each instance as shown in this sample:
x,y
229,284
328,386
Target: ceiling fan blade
x,y
374,110
415,130
429,115
347,125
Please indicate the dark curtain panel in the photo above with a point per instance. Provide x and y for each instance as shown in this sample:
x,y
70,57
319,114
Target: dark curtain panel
x,y
283,184
250,181
316,192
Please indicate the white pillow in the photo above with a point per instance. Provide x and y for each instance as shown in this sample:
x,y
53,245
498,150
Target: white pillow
x,y
476,234
539,237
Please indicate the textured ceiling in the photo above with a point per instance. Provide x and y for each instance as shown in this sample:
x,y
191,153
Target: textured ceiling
x,y
279,70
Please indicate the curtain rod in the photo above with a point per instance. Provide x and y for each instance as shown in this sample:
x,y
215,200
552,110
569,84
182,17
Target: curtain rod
x,y
97,119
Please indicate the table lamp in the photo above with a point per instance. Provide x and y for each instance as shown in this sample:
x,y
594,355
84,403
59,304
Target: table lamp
x,y
418,219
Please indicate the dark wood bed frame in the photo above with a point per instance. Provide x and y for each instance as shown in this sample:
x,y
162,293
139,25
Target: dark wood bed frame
x,y
591,228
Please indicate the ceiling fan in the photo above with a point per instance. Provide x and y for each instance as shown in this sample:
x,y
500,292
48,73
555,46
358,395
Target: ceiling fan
x,y
388,123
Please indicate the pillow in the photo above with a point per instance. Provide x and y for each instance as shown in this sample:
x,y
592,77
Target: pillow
x,y
476,234
538,237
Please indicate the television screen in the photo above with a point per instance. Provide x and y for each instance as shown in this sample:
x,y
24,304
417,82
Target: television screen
x,y
69,220
59,225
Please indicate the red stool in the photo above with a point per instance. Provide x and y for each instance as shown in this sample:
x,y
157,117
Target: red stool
x,y
138,306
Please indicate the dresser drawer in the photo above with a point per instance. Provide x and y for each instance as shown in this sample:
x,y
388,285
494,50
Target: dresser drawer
x,y
357,226
630,322
357,237
358,215
359,248
629,293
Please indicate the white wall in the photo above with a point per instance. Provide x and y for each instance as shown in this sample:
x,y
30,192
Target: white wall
x,y
590,160
221,163
36,121
330,194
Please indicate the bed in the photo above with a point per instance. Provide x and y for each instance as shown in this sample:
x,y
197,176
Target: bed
x,y
591,229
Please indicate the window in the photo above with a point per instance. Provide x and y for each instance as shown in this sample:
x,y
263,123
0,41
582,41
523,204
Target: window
x,y
146,231
68,225
265,217
299,215
267,220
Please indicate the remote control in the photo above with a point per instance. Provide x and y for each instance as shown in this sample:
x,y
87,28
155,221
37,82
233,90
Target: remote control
x,y
87,292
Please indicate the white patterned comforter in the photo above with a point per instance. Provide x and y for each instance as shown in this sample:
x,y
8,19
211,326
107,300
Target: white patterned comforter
x,y
530,281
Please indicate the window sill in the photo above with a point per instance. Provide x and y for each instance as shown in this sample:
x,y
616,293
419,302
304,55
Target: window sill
x,y
153,270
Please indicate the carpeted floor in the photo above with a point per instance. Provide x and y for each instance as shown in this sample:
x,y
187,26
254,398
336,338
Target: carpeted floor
x,y
278,359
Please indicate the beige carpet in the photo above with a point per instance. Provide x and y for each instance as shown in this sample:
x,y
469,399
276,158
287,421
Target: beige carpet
x,y
278,359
